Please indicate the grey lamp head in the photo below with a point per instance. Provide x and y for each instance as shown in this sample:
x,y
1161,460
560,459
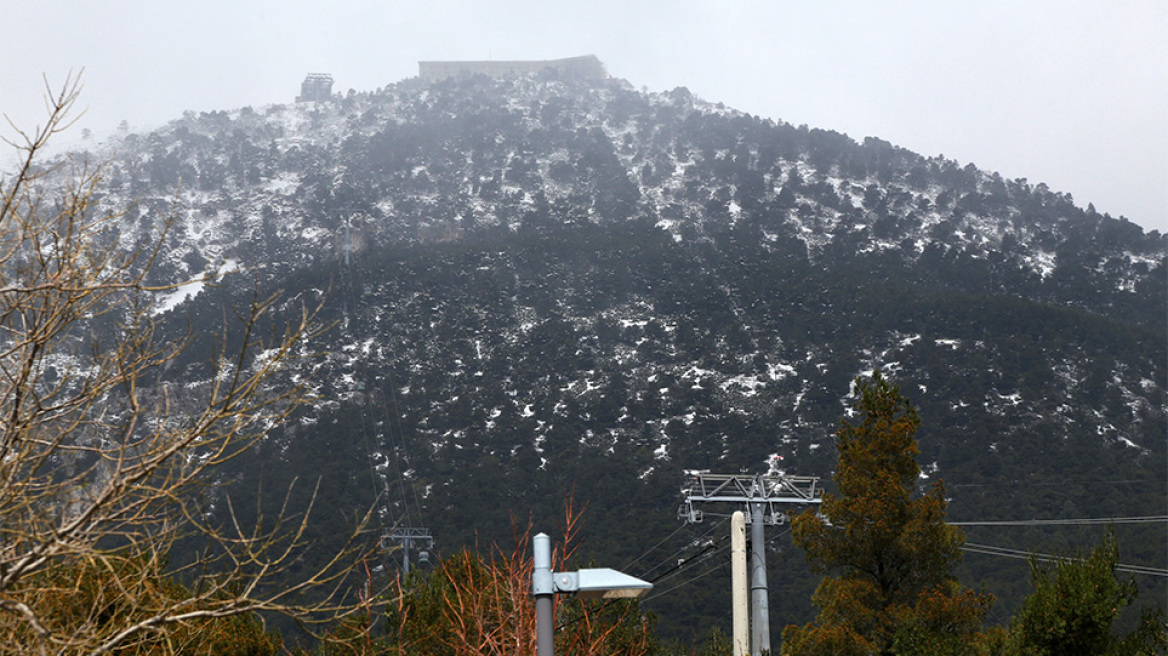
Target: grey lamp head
x,y
601,583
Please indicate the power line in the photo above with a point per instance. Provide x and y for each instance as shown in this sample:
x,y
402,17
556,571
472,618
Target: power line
x,y
693,560
707,572
1142,519
650,549
1120,481
1004,552
672,556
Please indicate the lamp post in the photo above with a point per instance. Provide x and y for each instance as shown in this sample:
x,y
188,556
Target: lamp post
x,y
596,583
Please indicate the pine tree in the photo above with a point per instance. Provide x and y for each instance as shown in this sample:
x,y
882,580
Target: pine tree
x,y
888,552
1073,609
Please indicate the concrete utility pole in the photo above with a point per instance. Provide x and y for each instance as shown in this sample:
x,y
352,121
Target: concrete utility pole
x,y
740,599
765,497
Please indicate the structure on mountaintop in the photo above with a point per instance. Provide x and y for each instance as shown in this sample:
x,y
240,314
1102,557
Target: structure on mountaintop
x,y
587,67
316,87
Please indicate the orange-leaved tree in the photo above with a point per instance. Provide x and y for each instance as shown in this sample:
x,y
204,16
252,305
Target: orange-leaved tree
x,y
472,606
888,553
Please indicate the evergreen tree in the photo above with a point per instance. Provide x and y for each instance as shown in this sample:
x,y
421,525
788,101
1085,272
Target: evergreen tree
x,y
1074,606
889,551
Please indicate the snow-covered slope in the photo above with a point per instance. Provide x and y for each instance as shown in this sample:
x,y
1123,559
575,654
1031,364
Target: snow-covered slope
x,y
542,285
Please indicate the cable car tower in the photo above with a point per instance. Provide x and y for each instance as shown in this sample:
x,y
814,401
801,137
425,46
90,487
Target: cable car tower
x,y
765,499
408,538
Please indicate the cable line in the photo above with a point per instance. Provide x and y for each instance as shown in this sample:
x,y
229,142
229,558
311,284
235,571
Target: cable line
x,y
1004,552
706,573
405,532
1120,481
352,304
690,562
672,556
392,461
685,583
1143,519
650,549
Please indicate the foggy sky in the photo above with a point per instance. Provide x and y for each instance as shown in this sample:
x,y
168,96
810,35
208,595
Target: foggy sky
x,y
1073,94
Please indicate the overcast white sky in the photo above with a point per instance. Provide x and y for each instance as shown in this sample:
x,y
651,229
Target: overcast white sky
x,y
1074,94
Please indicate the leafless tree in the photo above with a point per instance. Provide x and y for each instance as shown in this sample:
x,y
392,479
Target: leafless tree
x,y
100,461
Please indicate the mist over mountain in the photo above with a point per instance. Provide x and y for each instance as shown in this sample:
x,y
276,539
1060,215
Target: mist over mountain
x,y
544,287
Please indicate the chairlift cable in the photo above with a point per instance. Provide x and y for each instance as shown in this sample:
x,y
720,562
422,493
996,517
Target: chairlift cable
x,y
662,593
351,306
652,548
391,460
672,556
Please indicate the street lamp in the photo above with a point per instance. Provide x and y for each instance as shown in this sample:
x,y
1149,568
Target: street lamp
x,y
596,583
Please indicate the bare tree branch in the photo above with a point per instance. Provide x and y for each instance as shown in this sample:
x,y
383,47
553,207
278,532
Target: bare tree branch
x,y
100,460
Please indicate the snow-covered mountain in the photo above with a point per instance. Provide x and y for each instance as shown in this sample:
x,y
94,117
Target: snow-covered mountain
x,y
546,285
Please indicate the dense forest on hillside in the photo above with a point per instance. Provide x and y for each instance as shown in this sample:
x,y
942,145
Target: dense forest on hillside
x,y
542,289
500,389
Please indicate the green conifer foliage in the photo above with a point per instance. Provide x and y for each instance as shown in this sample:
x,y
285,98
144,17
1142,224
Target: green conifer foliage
x,y
888,551
1074,606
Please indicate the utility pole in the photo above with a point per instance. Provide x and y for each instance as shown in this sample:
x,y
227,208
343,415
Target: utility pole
x,y
739,599
764,497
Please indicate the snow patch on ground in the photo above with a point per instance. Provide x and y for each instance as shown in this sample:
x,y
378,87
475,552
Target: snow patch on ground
x,y
1042,262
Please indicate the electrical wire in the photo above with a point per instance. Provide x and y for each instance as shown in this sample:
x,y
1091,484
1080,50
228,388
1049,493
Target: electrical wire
x,y
1119,481
650,549
1004,552
671,557
656,595
1143,519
